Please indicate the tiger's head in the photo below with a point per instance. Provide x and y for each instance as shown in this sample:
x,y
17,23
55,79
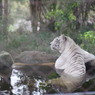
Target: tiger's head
x,y
58,43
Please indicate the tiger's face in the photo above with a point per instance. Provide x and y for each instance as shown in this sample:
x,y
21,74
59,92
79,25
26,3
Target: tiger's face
x,y
58,43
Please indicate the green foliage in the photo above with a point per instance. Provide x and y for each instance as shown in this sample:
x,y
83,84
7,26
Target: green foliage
x,y
2,37
88,41
60,18
72,5
53,75
89,86
11,28
21,1
64,16
46,87
40,41
16,41
44,35
14,44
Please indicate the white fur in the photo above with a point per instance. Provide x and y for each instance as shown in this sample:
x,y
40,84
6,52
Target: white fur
x,y
66,61
71,63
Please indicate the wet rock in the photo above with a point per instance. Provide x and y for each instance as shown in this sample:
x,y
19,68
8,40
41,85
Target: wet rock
x,y
35,63
6,62
45,70
35,57
5,59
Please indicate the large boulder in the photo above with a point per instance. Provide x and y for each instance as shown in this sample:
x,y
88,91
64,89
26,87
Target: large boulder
x,y
5,59
6,62
35,63
35,57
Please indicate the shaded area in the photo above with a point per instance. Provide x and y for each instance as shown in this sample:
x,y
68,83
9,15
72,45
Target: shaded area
x,y
28,85
5,87
24,82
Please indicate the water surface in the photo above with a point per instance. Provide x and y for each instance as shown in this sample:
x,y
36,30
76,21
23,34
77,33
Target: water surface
x,y
25,82
22,84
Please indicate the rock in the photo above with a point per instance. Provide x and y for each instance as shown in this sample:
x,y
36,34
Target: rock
x,y
6,62
44,69
5,59
35,57
35,63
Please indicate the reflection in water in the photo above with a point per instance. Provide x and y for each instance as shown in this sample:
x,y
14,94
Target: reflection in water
x,y
38,90
24,85
5,87
21,83
18,82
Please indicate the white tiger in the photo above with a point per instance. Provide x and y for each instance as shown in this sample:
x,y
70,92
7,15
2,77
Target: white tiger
x,y
73,63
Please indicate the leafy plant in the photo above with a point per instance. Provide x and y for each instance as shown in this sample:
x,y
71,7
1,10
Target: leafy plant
x,y
88,41
63,17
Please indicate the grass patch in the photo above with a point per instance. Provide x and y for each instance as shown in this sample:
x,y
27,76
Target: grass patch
x,y
34,41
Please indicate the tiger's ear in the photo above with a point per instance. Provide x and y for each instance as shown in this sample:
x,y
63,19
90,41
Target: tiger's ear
x,y
63,37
